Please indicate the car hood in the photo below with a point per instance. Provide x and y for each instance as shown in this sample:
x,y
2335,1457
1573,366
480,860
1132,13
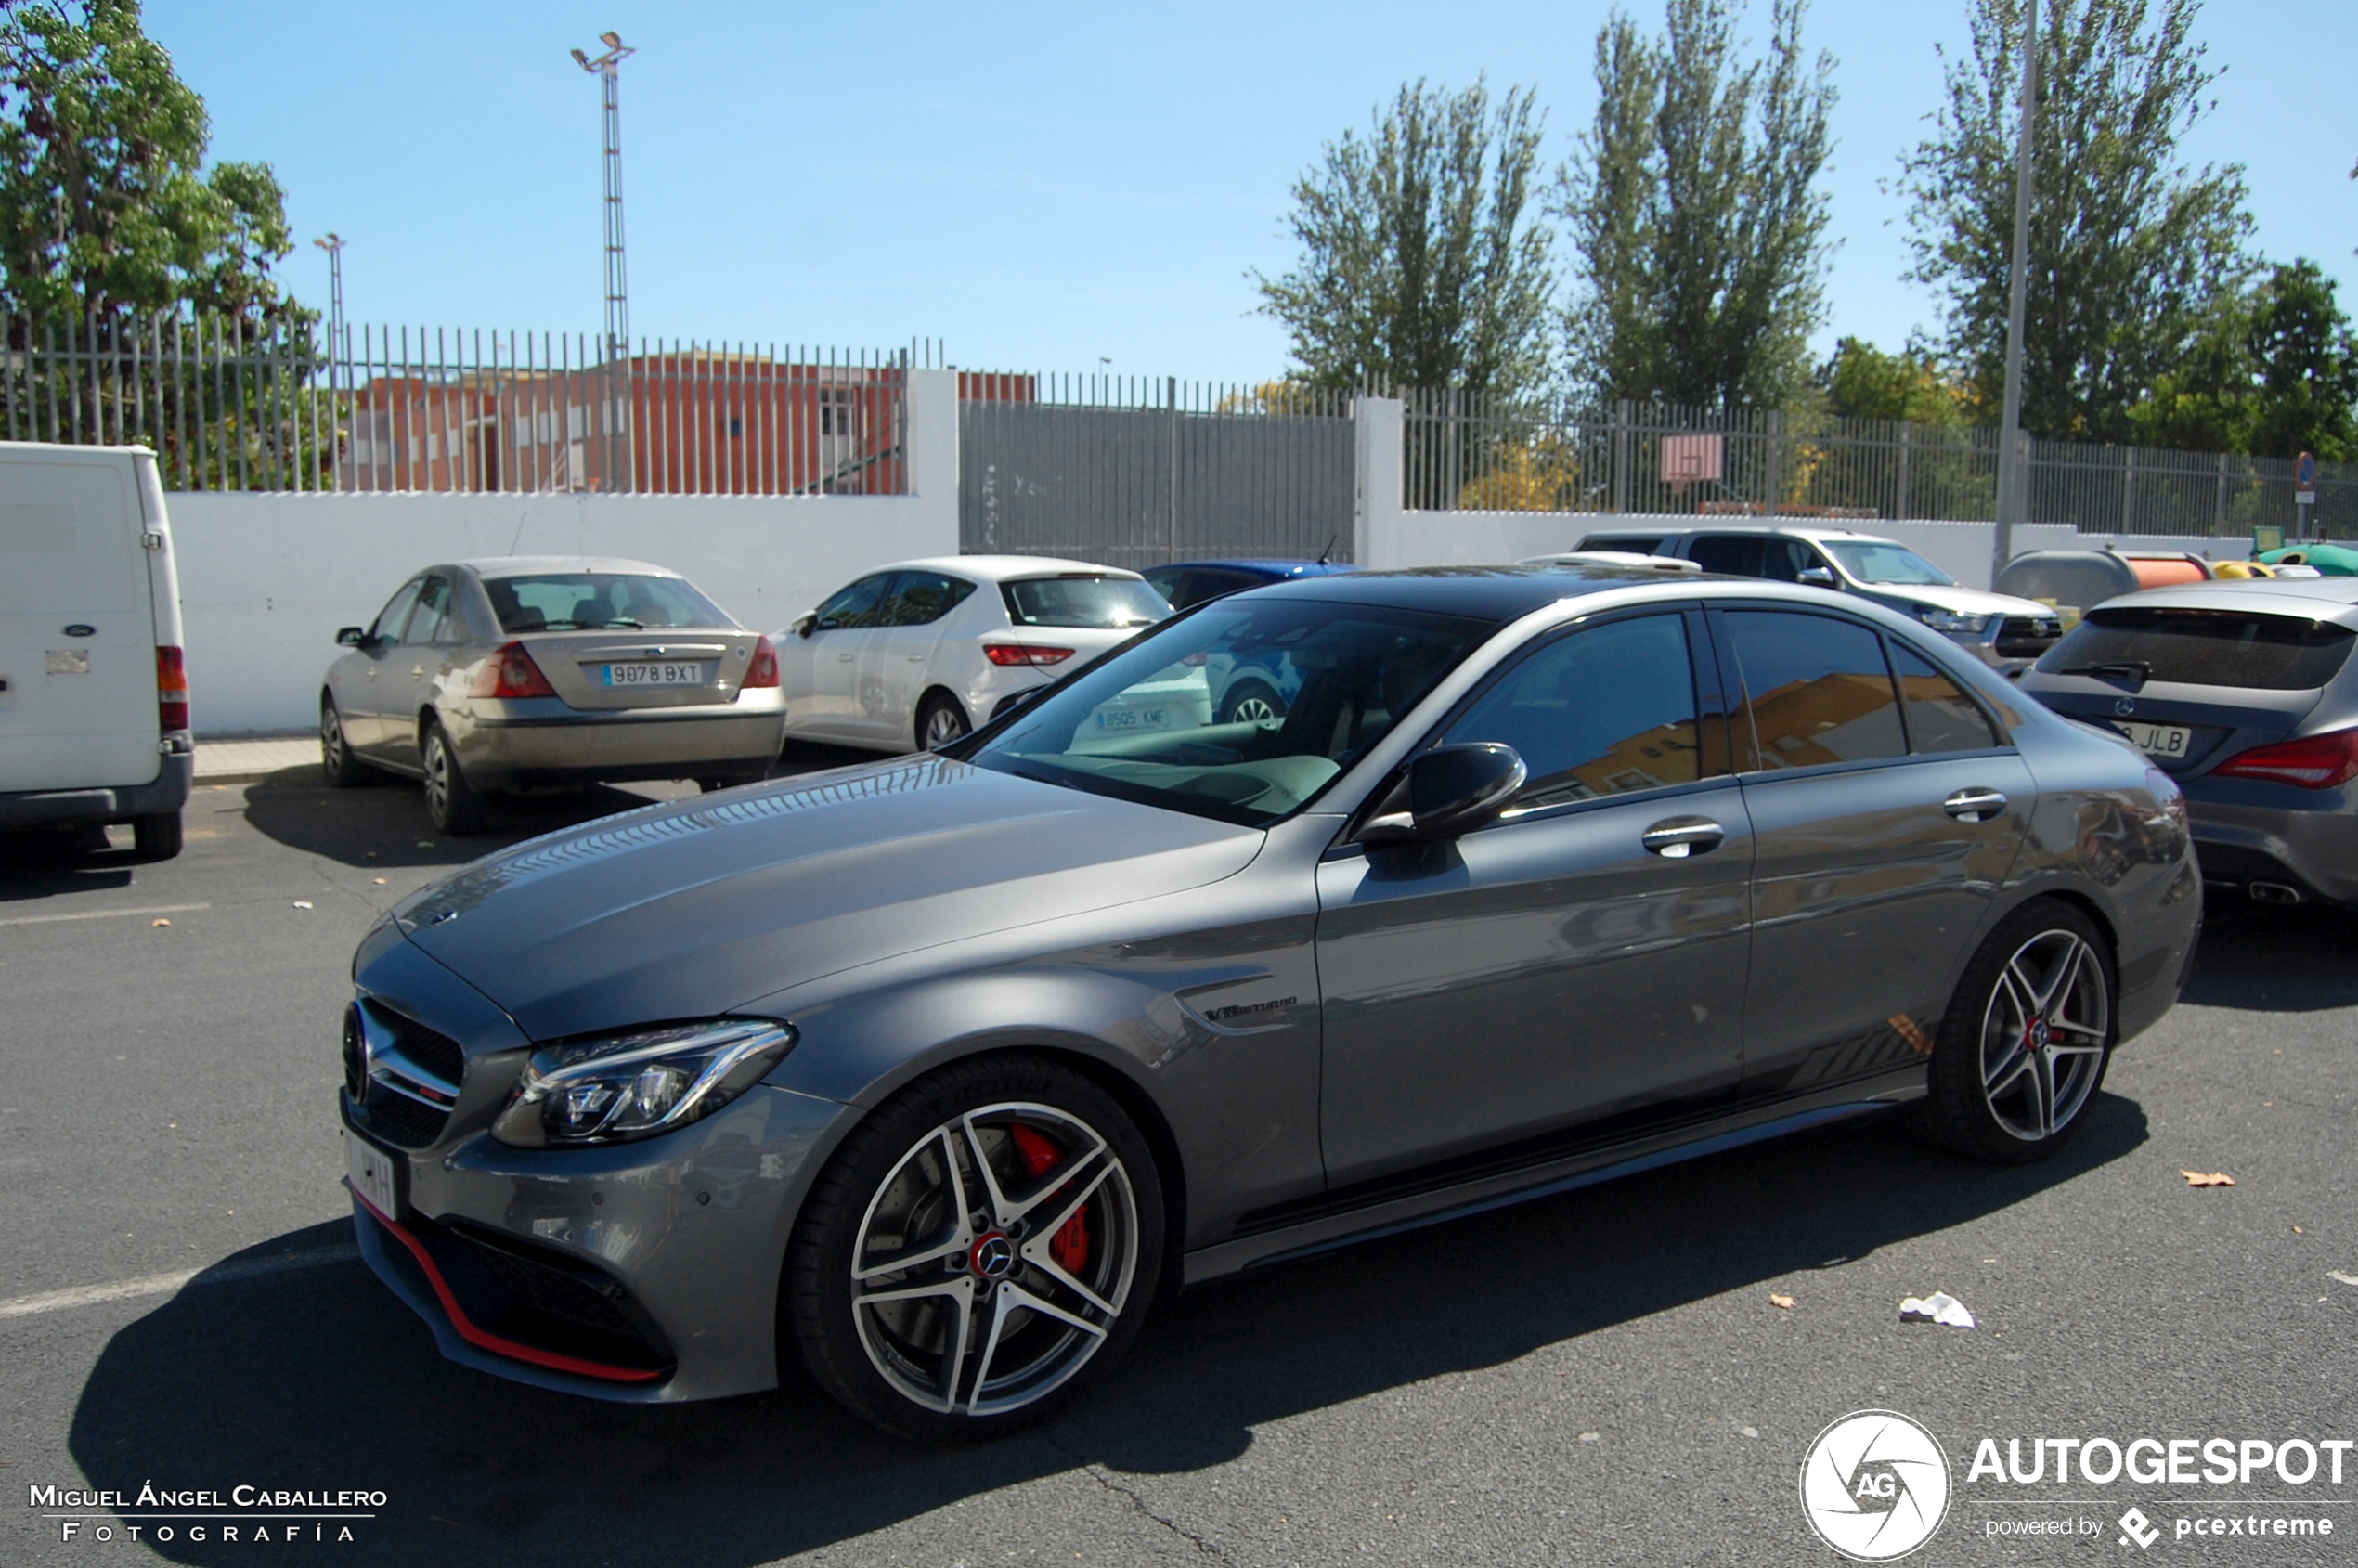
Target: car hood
x,y
1964,601
690,909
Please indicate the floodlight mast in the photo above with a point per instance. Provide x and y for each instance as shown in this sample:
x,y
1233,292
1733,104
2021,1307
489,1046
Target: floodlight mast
x,y
332,243
607,68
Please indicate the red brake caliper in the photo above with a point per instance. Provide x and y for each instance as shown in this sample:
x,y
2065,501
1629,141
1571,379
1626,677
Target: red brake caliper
x,y
1069,1246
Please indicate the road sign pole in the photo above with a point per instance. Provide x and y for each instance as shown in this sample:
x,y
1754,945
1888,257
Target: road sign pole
x,y
2304,493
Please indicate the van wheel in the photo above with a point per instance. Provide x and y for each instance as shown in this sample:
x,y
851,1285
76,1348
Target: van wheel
x,y
344,770
156,837
451,802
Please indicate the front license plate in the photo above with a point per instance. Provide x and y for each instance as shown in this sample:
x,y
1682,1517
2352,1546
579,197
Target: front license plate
x,y
690,673
2160,739
375,1174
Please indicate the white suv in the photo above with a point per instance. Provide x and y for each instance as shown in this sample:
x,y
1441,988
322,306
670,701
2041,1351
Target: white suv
x,y
914,655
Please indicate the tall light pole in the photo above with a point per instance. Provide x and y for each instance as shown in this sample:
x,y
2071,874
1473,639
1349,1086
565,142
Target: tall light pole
x,y
607,68
332,243
2009,484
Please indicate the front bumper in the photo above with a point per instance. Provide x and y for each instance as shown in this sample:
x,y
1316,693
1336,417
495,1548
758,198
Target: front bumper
x,y
2311,848
645,1273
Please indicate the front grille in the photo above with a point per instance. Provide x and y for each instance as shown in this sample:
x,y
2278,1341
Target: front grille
x,y
589,1300
397,1119
437,1053
382,1048
541,1298
2027,637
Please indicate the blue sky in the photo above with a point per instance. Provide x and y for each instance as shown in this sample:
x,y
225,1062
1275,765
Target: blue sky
x,y
1042,186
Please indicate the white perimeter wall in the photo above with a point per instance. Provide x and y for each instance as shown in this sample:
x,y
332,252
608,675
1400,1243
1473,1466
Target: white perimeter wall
x,y
267,579
1387,535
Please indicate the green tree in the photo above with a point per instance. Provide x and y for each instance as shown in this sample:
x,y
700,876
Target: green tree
x,y
2127,245
1859,380
2272,372
104,205
1421,265
1693,208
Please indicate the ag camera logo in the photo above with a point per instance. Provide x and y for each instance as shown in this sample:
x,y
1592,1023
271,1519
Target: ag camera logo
x,y
1874,1485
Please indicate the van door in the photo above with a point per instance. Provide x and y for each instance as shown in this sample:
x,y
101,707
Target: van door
x,y
77,629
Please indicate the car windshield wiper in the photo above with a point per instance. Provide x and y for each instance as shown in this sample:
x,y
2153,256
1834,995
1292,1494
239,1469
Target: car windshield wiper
x,y
2128,669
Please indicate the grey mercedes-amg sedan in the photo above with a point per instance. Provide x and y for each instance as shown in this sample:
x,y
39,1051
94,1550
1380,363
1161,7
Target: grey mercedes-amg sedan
x,y
935,1073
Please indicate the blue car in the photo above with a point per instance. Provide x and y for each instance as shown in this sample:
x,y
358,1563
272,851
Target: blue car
x,y
1244,686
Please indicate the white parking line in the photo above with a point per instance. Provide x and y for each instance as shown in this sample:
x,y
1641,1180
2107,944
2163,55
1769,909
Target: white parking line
x,y
99,915
165,1284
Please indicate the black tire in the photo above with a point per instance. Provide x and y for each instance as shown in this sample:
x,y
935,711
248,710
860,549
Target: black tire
x,y
157,836
940,719
880,1359
452,804
2027,1037
342,766
1250,702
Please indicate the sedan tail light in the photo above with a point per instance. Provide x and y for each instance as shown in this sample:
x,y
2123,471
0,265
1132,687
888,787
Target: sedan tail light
x,y
171,691
510,673
2314,762
1016,653
763,671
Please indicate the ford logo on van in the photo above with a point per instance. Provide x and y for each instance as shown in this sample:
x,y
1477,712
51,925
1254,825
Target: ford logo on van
x,y
77,630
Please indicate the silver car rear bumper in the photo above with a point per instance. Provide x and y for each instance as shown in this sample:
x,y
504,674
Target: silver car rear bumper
x,y
2312,849
499,751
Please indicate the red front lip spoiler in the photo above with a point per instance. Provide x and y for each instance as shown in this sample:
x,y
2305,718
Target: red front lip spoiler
x,y
484,1339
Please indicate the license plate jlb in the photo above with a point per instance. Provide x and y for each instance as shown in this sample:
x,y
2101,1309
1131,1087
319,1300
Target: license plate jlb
x,y
375,1174
2170,741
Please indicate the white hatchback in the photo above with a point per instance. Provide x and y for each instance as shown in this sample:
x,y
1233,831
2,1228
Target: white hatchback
x,y
916,653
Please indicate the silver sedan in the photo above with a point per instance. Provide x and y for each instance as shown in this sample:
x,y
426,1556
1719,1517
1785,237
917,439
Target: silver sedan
x,y
932,1074
543,669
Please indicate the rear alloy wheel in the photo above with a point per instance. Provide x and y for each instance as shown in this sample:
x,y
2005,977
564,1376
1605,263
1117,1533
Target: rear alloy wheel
x,y
451,803
1251,703
2027,1040
940,722
344,770
979,1251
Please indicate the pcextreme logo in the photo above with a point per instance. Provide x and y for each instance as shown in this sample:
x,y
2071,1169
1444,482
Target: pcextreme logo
x,y
1874,1485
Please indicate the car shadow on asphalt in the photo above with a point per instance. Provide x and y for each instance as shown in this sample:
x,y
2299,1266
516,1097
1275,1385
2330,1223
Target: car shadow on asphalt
x,y
46,862
2272,959
320,1379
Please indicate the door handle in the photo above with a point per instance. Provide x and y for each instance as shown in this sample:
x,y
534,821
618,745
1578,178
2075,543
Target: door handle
x,y
916,658
1974,805
1673,838
843,658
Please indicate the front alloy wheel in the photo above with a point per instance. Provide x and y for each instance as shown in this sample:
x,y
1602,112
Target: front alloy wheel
x,y
2025,1044
1006,1239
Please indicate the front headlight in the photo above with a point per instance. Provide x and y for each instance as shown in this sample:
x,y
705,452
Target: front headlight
x,y
638,1084
1952,621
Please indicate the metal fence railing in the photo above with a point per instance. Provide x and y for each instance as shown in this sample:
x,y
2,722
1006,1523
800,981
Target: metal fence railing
x,y
1465,453
1141,470
227,405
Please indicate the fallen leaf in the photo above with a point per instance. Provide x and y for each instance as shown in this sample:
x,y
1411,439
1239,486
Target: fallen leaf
x,y
2298,1231
378,880
2345,1279
160,923
2208,1178
303,903
1777,1300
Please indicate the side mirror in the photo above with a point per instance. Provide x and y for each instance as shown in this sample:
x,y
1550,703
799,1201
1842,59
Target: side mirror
x,y
806,624
1816,577
1451,790
351,637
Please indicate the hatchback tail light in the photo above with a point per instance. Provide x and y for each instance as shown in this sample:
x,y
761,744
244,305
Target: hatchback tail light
x,y
1018,653
2314,762
171,691
510,673
763,671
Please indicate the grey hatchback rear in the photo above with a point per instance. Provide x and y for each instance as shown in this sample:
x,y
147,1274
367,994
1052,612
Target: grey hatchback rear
x,y
2245,693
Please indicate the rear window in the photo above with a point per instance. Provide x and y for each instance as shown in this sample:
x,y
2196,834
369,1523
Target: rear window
x,y
1100,603
1636,544
2234,648
599,601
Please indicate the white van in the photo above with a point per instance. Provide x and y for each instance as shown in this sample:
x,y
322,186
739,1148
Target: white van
x,y
94,695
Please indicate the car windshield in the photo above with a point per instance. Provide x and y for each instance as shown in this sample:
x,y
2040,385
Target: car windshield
x,y
1892,563
1140,725
601,601
2235,648
1083,600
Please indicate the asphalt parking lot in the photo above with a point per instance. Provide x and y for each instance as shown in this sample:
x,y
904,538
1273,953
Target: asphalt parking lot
x,y
1597,1378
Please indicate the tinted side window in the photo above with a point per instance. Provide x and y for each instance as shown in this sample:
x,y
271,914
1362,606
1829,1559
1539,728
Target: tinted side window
x,y
395,613
854,606
1940,716
1738,555
1784,560
1166,582
1605,711
1817,688
922,598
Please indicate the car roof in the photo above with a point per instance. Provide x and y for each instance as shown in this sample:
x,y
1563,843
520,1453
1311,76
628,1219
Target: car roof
x,y
525,565
1004,568
1794,531
1506,593
2334,599
1275,570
